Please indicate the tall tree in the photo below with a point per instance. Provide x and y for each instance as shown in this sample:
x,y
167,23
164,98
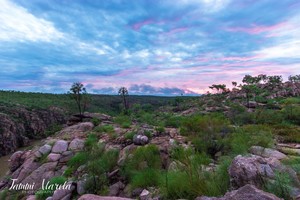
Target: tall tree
x,y
77,92
124,92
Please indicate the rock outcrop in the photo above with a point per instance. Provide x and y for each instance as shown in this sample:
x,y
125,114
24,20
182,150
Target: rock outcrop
x,y
18,125
256,170
248,192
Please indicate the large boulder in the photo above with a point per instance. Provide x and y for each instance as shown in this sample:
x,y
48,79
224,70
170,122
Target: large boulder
x,y
140,139
255,170
77,130
45,149
60,146
96,197
267,153
247,192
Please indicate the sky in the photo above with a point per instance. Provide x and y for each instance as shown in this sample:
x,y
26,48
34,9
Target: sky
x,y
152,47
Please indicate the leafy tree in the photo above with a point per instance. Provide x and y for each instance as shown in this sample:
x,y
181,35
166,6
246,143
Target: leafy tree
x,y
294,79
124,92
79,94
219,87
274,81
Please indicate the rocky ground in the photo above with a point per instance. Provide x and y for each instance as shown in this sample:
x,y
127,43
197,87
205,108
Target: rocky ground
x,y
49,160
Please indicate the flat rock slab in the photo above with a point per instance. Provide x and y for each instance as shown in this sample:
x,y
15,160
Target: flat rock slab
x,y
96,197
267,153
248,192
52,157
60,146
76,144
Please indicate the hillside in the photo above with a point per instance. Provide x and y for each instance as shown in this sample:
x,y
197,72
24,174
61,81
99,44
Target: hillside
x,y
242,143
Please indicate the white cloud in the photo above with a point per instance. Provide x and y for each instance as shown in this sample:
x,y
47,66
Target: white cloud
x,y
17,24
207,5
286,41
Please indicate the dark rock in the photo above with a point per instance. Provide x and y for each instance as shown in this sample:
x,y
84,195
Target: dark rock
x,y
18,124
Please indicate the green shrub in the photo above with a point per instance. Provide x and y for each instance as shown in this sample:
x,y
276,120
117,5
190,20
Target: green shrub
x,y
79,159
207,132
267,116
104,129
176,187
123,120
281,186
173,121
90,141
99,165
96,121
143,157
43,194
3,194
294,163
245,137
129,135
146,178
287,133
53,129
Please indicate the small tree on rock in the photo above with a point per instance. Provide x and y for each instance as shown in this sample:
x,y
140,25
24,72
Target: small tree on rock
x,y
79,94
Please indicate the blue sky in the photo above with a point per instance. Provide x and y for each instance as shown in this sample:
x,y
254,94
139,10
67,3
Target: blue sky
x,y
157,47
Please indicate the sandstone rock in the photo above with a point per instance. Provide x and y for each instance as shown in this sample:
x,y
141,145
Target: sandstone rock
x,y
31,197
60,146
63,194
77,129
52,157
247,192
16,160
140,139
46,171
76,144
96,197
45,149
115,189
255,170
267,153
145,195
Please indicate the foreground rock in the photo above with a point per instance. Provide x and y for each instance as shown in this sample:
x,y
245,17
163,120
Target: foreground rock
x,y
76,131
256,170
96,197
248,192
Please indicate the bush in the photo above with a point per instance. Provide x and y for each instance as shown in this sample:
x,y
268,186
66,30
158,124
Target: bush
x,y
142,169
104,129
294,163
245,137
96,121
266,116
207,132
79,159
287,133
129,135
90,141
146,178
43,194
123,120
173,121
281,186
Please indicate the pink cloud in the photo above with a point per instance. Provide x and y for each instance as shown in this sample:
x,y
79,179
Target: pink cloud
x,y
176,30
137,26
256,29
